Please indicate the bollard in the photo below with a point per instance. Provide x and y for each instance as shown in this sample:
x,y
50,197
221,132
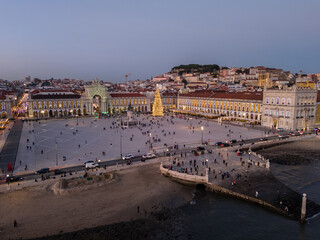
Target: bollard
x,y
303,208
268,164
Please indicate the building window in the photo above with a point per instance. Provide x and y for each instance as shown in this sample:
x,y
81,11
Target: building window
x,y
272,100
289,101
283,101
271,112
266,112
281,113
277,100
3,106
288,114
267,101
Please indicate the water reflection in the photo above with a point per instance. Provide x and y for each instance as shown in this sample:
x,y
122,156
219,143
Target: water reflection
x,y
220,217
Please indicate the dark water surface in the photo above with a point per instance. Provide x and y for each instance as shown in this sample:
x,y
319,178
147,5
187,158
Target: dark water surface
x,y
219,217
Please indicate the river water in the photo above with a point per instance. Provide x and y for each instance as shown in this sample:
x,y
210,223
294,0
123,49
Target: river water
x,y
219,217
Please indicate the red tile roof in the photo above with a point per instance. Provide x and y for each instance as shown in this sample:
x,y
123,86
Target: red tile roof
x,y
4,92
49,90
169,94
126,95
226,95
56,96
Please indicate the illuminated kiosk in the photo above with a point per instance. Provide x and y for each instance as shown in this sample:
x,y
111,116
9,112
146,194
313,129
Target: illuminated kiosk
x,y
157,109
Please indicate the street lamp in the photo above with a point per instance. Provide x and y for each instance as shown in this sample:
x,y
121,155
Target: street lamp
x,y
120,144
56,152
149,141
201,134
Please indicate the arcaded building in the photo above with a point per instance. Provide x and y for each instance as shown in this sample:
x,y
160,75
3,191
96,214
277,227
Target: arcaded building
x,y
95,100
238,106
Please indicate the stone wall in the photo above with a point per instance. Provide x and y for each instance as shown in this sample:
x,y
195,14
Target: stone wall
x,y
184,176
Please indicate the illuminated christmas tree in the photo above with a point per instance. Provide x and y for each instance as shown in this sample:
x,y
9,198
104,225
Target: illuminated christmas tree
x,y
157,109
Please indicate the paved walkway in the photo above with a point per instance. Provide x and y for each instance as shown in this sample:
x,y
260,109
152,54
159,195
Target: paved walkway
x,y
10,149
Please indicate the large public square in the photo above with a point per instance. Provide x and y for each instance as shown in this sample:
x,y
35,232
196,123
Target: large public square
x,y
67,142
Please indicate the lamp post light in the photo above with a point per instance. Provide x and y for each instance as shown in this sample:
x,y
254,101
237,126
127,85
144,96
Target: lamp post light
x,y
201,134
56,143
120,144
149,141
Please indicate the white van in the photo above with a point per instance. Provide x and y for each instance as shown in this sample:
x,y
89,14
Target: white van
x,y
91,164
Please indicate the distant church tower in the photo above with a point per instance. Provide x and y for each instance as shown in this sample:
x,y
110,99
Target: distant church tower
x,y
157,109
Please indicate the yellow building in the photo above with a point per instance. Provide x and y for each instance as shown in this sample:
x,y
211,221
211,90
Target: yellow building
x,y
119,102
169,100
317,120
7,102
244,106
55,103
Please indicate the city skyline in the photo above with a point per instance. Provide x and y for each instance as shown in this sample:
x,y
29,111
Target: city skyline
x,y
82,40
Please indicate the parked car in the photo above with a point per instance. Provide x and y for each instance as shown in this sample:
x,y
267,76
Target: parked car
x,y
301,132
91,164
263,139
58,172
283,136
280,129
218,143
9,179
128,157
201,148
149,155
225,145
231,141
43,170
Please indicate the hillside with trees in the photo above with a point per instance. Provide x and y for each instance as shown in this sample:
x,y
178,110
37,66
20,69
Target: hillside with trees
x,y
196,68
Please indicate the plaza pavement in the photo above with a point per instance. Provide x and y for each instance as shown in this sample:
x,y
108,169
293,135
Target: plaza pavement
x,y
220,161
96,136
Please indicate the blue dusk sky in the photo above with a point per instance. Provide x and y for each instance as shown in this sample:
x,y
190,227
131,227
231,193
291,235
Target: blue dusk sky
x,y
109,38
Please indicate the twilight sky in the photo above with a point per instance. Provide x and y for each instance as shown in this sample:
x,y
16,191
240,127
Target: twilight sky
x,y
109,38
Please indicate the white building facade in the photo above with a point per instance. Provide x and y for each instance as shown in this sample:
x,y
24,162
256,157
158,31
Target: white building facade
x,y
289,108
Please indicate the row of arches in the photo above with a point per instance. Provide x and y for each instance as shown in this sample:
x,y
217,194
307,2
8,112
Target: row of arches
x,y
60,113
227,113
4,115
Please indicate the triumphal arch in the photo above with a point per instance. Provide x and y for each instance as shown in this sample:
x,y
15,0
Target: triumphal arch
x,y
95,99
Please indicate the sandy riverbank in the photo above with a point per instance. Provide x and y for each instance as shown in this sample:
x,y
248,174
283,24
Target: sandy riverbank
x,y
40,211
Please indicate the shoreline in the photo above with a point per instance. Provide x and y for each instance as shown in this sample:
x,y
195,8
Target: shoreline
x,y
39,212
